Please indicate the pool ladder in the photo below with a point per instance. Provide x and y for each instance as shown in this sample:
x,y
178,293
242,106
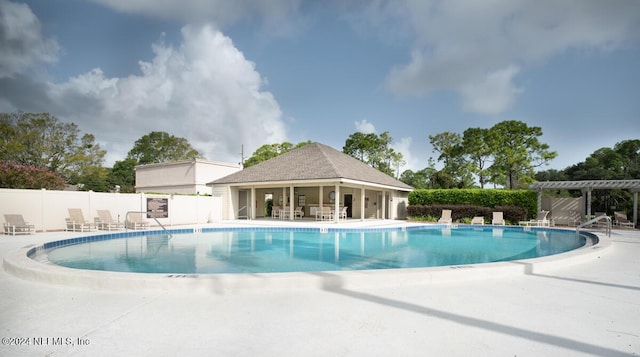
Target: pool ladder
x,y
126,218
592,221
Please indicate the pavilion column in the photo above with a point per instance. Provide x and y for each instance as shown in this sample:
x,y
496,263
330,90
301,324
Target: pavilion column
x,y
284,197
362,201
384,205
254,204
336,204
291,198
320,202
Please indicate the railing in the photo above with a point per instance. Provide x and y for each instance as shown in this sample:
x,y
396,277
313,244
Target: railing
x,y
246,214
592,221
126,219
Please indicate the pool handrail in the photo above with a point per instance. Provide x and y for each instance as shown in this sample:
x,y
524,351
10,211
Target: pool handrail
x,y
126,217
594,220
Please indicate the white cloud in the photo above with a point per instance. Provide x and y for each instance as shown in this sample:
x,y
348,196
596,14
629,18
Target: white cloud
x,y
21,40
475,47
272,13
363,126
403,146
205,91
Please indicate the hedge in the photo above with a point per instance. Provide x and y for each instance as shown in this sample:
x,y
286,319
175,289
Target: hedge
x,y
491,199
458,212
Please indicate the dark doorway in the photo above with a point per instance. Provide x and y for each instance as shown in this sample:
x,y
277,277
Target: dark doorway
x,y
348,202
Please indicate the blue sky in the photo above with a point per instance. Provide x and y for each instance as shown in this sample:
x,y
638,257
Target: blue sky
x,y
227,73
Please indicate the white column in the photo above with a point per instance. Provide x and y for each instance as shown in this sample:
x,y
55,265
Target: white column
x,y
253,203
384,205
320,193
362,198
635,207
291,203
336,204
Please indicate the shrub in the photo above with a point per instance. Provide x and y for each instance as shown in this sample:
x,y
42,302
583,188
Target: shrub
x,y
25,176
489,198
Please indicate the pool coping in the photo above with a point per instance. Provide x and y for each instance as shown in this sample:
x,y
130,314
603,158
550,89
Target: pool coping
x,y
19,264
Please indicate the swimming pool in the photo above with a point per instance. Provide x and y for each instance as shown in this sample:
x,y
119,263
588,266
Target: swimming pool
x,y
270,250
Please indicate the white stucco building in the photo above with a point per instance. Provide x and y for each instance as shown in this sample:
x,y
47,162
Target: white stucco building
x,y
182,177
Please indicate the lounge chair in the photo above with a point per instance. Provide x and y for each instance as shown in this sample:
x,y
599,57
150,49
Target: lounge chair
x,y
77,223
576,218
540,221
477,220
446,216
105,222
622,220
134,221
498,219
15,224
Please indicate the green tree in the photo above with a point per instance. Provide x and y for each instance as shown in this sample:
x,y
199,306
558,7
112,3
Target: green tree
x,y
516,151
14,175
476,147
123,174
43,141
374,150
158,146
269,151
457,170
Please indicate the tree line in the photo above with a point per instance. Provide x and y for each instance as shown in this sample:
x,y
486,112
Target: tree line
x,y
37,150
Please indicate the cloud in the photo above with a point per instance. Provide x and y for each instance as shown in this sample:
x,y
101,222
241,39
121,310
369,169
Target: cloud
x,y
21,40
403,146
205,91
363,126
477,48
221,12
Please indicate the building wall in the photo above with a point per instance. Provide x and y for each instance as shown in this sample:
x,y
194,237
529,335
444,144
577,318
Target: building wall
x,y
183,177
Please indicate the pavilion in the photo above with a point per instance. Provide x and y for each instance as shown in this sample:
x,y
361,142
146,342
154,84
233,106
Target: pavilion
x,y
311,177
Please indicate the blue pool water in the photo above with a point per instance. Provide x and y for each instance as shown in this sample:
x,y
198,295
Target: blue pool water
x,y
257,251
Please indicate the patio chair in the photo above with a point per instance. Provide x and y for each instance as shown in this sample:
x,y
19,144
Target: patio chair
x,y
446,216
275,212
298,213
77,223
105,222
622,221
477,220
15,224
343,212
498,219
540,221
135,221
324,213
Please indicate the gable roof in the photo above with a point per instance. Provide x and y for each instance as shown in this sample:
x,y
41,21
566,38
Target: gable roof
x,y
313,161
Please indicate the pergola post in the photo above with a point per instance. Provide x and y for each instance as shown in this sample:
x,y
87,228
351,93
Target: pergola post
x,y
539,202
635,207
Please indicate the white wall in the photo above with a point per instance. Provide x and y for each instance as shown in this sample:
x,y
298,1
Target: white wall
x,y
47,209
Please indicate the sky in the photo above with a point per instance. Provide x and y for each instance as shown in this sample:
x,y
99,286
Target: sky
x,y
234,75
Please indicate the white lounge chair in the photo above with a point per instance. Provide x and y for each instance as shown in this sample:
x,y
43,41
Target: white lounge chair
x,y
621,220
498,219
477,220
540,221
15,224
105,221
77,223
135,221
446,216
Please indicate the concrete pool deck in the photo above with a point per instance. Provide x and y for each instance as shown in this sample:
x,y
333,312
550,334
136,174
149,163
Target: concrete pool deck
x,y
589,306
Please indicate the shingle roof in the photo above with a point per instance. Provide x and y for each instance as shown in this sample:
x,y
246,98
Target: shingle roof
x,y
314,161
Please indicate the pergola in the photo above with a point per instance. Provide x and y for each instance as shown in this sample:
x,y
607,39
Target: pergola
x,y
588,186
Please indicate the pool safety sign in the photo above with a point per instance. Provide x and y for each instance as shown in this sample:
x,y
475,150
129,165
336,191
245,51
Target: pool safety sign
x,y
157,208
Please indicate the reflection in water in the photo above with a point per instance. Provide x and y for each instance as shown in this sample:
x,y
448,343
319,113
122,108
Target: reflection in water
x,y
282,251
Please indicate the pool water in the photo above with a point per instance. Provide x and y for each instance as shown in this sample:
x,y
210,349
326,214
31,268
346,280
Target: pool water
x,y
283,251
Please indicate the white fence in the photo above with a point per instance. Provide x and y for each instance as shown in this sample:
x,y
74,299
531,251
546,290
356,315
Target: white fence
x,y
47,209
